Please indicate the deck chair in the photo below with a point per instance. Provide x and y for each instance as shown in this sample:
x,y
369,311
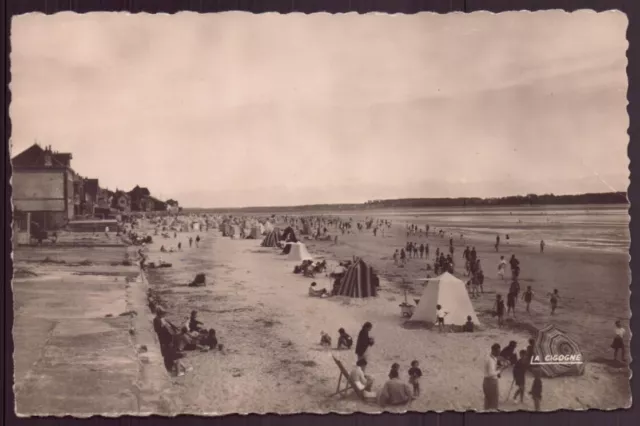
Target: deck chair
x,y
348,384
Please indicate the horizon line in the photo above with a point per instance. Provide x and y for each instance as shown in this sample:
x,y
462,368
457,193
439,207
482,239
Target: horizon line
x,y
370,202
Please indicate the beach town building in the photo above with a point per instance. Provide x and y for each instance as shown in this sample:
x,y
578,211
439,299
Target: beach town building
x,y
43,190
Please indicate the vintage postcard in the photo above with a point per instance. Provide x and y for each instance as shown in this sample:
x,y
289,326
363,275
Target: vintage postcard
x,y
244,213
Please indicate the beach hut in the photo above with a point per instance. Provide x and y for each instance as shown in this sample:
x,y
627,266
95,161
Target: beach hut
x,y
272,239
289,235
298,252
552,342
254,233
235,232
359,281
450,293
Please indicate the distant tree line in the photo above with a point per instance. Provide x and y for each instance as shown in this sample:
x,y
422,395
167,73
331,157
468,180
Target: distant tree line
x,y
516,200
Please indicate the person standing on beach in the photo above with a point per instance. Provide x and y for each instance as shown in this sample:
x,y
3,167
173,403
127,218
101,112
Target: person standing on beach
x,y
395,257
527,296
415,250
497,243
502,266
190,242
364,341
403,257
490,386
541,246
536,389
421,251
198,241
511,303
519,375
498,308
618,342
440,314
553,300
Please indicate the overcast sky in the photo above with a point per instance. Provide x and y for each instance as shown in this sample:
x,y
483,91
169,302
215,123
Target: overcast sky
x,y
237,109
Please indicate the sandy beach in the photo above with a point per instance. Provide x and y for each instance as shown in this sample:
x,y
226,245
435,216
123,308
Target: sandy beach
x,y
270,328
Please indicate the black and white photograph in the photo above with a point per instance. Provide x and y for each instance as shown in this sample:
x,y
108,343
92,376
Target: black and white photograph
x,y
237,213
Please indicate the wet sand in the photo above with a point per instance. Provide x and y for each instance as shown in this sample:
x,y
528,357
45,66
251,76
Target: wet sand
x,y
270,328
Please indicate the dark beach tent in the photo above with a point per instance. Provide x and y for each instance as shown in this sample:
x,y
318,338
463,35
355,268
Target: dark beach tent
x,y
290,235
359,281
272,238
551,341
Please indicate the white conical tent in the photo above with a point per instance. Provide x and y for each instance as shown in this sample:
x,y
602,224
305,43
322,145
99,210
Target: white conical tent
x,y
298,252
450,293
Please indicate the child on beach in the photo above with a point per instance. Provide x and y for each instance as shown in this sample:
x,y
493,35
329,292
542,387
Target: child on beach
x,y
414,377
618,342
395,368
536,389
440,314
502,266
197,240
344,340
553,299
498,307
190,242
527,296
468,326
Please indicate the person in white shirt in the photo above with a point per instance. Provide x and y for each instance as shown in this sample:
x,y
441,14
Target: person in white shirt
x,y
618,342
502,266
363,382
440,314
491,376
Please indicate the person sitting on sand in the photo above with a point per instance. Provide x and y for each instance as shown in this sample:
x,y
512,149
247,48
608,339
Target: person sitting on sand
x,y
363,381
508,354
395,367
618,342
344,340
468,326
209,340
194,324
364,340
395,391
314,292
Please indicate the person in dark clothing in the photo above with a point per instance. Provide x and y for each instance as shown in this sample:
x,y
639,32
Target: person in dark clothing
x,y
511,303
197,240
364,340
530,350
498,308
210,340
194,324
536,389
527,296
414,377
519,374
344,340
468,326
165,331
509,353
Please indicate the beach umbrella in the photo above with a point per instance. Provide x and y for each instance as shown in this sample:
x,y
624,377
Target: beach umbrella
x,y
556,354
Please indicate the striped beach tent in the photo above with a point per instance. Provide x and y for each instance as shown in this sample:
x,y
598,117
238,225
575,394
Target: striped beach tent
x,y
359,281
556,354
272,239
